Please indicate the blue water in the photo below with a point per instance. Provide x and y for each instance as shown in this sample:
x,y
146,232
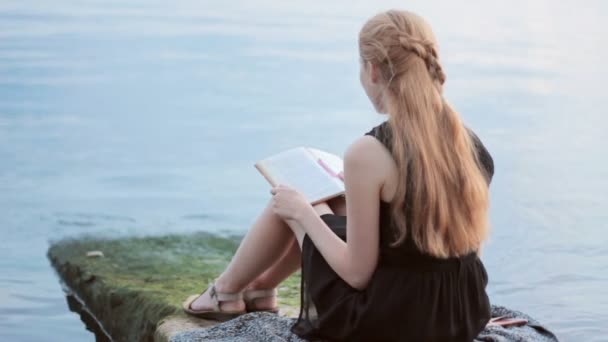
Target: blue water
x,y
145,117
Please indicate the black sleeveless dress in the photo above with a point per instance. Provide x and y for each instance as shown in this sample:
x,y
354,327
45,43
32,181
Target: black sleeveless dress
x,y
411,297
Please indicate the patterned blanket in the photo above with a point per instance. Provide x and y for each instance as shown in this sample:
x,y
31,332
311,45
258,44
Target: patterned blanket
x,y
264,326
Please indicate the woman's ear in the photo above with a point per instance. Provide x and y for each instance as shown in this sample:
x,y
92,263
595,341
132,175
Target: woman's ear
x,y
373,70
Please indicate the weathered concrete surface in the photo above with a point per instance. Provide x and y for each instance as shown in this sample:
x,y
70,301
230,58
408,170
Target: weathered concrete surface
x,y
140,283
172,325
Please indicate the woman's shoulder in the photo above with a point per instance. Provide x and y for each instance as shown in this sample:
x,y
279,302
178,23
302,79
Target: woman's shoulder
x,y
370,159
364,149
367,152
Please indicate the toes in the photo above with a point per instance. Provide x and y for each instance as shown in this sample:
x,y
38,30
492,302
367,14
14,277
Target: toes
x,y
199,304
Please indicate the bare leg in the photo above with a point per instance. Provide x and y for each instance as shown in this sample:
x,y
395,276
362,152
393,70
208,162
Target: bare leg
x,y
263,244
275,274
289,262
286,265
266,242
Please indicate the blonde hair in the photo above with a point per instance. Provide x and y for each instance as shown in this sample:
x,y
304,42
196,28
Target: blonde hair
x,y
436,156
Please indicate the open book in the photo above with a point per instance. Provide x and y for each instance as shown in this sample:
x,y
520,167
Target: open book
x,y
316,174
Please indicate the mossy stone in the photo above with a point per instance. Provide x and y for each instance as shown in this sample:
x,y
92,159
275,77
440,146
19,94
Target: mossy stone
x,y
141,280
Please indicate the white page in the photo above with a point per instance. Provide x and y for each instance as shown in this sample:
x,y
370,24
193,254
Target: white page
x,y
297,168
333,161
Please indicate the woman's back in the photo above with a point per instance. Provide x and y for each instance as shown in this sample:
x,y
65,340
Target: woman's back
x,y
412,296
456,284
408,248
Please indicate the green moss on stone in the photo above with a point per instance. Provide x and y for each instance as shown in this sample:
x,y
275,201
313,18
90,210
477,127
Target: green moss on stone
x,y
139,281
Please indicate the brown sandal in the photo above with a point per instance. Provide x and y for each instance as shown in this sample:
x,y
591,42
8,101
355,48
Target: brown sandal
x,y
215,313
250,295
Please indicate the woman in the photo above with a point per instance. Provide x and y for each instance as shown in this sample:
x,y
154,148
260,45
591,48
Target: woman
x,y
415,213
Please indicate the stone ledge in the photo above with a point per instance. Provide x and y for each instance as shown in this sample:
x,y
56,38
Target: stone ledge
x,y
136,288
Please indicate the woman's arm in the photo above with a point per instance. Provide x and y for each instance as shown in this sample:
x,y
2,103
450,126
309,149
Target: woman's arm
x,y
354,260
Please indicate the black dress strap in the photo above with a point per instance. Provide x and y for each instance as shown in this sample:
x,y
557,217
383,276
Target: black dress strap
x,y
484,156
382,133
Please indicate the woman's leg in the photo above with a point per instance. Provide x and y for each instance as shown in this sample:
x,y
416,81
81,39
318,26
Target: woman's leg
x,y
285,266
264,243
289,262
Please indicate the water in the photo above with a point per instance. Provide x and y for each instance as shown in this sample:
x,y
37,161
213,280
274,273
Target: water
x,y
146,117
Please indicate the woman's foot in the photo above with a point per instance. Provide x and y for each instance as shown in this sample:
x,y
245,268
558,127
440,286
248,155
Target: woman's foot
x,y
260,298
204,301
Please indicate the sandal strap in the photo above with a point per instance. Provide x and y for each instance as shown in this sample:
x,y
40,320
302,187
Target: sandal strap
x,y
253,294
223,296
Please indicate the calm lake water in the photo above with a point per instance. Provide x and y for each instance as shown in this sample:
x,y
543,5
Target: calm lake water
x,y
145,117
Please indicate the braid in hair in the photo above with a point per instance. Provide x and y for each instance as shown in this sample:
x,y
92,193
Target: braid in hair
x,y
427,52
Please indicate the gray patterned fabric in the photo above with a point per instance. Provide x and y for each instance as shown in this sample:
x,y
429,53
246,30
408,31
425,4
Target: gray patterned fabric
x,y
532,331
250,327
264,326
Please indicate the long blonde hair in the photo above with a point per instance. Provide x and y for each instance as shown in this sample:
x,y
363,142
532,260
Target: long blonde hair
x,y
436,157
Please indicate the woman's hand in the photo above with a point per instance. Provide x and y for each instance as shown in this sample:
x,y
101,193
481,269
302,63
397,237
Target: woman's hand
x,y
288,202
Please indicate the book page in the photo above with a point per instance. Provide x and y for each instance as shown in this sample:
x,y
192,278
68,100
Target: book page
x,y
298,168
335,163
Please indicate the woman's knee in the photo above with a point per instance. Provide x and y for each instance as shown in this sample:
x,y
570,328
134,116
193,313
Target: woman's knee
x,y
269,211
